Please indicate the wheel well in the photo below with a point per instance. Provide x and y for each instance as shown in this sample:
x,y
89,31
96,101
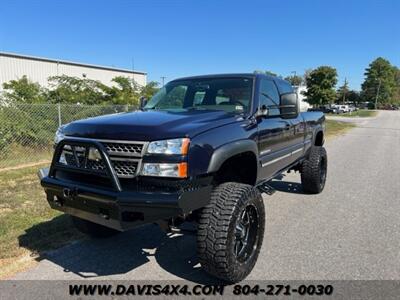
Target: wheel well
x,y
319,139
239,168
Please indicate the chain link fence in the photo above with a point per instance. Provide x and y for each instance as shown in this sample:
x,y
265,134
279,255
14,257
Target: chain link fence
x,y
27,130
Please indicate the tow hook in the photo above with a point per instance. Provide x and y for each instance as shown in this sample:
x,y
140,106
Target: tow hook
x,y
70,194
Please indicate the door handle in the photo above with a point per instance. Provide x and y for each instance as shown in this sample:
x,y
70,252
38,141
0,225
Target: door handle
x,y
287,127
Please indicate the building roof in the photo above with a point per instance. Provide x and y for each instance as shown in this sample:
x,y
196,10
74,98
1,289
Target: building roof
x,y
71,63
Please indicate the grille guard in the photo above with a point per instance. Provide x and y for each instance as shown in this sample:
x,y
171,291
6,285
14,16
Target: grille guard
x,y
55,165
114,207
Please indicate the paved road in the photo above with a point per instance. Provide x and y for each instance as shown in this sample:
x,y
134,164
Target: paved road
x,y
350,231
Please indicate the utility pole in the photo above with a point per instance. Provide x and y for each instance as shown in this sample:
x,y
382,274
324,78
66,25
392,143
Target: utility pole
x,y
379,87
344,90
163,79
377,93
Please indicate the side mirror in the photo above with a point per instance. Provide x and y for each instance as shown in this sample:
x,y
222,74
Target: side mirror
x,y
289,105
262,111
143,102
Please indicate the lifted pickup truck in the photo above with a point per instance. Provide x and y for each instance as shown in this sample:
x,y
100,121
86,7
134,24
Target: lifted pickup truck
x,y
201,150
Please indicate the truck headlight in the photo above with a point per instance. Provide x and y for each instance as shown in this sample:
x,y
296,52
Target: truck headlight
x,y
59,134
174,146
178,170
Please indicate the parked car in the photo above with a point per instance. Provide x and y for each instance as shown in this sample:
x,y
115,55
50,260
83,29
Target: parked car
x,y
352,108
342,108
390,107
201,150
325,109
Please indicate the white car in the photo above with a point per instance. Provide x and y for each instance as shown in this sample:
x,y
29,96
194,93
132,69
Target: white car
x,y
343,108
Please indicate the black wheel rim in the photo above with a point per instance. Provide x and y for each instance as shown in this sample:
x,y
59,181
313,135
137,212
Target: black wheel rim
x,y
246,233
322,171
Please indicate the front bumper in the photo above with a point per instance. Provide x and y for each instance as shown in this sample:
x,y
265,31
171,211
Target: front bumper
x,y
121,210
114,206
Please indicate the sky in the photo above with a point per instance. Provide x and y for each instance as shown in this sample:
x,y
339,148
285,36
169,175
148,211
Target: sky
x,y
178,38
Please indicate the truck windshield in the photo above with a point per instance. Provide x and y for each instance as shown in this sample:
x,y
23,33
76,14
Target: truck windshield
x,y
228,94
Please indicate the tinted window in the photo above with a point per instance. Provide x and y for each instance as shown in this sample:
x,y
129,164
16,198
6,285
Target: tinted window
x,y
173,99
284,87
228,94
269,96
198,97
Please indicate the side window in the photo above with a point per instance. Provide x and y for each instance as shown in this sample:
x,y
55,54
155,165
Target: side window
x,y
284,86
269,96
198,97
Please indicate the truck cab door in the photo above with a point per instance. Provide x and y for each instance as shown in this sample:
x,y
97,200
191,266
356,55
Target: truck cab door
x,y
275,134
297,139
290,112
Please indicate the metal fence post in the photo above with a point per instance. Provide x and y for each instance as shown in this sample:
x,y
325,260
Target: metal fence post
x,y
59,114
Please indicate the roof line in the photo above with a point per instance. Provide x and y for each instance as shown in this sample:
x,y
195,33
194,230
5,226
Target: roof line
x,y
71,63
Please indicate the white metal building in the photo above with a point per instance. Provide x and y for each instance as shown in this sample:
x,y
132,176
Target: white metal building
x,y
304,105
38,69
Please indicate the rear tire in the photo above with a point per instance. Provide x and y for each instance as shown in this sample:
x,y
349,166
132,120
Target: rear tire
x,y
231,231
314,171
93,229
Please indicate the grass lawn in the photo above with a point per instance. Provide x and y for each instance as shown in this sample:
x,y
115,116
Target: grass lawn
x,y
17,155
334,127
28,226
362,113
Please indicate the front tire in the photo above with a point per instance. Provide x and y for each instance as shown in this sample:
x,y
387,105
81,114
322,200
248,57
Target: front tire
x,y
231,230
314,171
92,229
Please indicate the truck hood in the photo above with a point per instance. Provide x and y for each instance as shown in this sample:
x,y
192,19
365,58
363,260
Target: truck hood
x,y
149,125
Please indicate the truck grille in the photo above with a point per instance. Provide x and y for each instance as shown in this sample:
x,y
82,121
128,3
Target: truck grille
x,y
125,168
124,149
125,158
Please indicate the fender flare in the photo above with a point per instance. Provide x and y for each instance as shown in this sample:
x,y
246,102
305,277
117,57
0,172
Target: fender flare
x,y
226,151
317,130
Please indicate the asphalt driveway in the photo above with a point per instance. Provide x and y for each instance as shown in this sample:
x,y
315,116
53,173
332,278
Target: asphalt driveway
x,y
350,231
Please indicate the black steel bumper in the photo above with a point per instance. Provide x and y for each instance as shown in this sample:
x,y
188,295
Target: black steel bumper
x,y
117,208
120,210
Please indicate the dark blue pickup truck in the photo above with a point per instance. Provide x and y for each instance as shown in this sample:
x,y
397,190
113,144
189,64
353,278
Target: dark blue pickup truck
x,y
201,150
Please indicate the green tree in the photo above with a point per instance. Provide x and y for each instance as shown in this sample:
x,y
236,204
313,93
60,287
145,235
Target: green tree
x,y
379,85
342,92
149,89
396,98
320,85
306,75
127,91
124,91
23,91
294,80
72,90
353,96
